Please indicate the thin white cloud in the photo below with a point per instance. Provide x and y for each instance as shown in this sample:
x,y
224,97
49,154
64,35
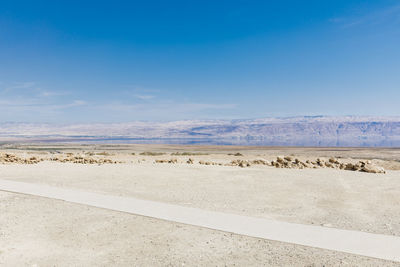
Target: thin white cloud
x,y
75,103
26,101
163,109
141,89
389,14
48,93
37,104
145,97
19,85
10,103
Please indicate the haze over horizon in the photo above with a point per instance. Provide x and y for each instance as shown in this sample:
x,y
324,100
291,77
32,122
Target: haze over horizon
x,y
119,61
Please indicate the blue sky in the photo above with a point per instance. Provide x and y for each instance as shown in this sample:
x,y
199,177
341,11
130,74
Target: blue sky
x,y
115,61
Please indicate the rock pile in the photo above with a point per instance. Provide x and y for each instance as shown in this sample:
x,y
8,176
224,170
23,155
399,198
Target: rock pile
x,y
362,166
288,162
70,158
10,158
240,163
83,160
260,162
201,162
173,161
248,163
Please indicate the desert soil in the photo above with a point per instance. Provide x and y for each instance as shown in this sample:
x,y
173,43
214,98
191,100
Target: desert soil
x,y
48,232
44,232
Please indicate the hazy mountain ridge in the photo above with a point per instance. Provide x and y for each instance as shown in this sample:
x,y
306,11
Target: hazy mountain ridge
x,y
307,130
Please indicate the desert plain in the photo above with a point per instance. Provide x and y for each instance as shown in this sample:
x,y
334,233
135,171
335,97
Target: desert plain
x,y
345,188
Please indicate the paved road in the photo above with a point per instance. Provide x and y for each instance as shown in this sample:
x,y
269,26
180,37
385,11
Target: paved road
x,y
355,242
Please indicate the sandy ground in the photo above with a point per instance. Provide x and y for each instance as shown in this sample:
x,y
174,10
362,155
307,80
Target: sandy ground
x,y
341,199
328,197
43,232
356,152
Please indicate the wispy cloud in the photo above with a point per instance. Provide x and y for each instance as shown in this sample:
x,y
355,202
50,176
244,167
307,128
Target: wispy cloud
x,y
389,14
26,101
37,104
12,103
18,86
140,89
75,103
144,97
81,110
27,89
169,106
48,93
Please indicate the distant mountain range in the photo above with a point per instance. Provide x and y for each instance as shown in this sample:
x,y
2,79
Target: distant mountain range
x,y
296,131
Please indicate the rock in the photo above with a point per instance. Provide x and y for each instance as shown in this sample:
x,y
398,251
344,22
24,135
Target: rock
x,y
350,167
333,160
359,165
329,165
166,161
370,168
207,163
287,164
288,158
243,164
240,163
11,158
277,164
260,162
320,162
334,163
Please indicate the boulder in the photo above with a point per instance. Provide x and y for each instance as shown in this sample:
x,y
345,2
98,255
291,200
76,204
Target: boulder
x,y
279,160
288,158
370,168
